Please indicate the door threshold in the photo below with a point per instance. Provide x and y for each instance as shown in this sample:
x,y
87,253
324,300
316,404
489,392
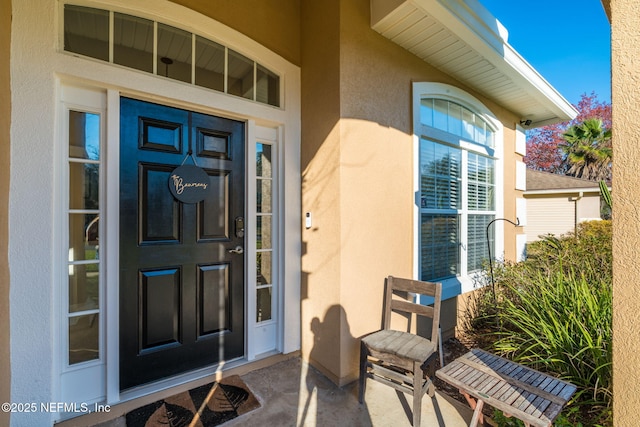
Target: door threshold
x,y
175,383
135,398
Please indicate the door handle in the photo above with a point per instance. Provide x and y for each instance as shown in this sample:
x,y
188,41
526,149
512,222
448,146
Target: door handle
x,y
237,250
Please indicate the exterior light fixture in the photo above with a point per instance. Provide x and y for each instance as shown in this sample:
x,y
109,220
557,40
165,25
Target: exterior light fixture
x,y
168,61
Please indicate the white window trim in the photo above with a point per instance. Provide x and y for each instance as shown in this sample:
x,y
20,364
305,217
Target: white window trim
x,y
460,284
264,338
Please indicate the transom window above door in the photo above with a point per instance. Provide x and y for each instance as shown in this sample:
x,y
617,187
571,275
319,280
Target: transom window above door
x,y
153,47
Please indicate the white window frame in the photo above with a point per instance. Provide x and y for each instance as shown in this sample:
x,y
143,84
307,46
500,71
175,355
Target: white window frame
x,y
87,376
193,35
264,338
464,282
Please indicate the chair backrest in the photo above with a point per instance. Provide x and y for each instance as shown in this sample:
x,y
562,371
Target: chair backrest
x,y
395,285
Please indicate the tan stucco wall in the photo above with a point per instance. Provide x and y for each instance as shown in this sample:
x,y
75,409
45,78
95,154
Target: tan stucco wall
x,y
625,100
357,161
320,161
5,116
273,23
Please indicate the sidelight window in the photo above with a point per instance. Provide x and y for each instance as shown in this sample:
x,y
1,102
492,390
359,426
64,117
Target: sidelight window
x,y
84,260
264,228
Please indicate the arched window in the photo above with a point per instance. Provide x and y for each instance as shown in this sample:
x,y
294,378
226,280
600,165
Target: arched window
x,y
457,181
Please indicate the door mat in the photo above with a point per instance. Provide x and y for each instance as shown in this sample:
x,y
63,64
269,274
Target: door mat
x,y
205,406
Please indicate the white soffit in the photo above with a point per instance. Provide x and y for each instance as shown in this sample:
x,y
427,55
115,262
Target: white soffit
x,y
461,38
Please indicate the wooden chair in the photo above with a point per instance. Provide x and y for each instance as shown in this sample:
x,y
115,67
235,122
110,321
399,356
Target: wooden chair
x,y
403,360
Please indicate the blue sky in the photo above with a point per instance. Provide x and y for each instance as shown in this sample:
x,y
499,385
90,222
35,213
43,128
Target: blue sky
x,y
566,41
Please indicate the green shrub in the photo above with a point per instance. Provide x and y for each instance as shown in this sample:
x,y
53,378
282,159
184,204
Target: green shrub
x,y
587,251
553,312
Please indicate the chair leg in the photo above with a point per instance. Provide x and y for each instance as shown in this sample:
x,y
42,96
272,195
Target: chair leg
x,y
440,347
429,372
363,372
417,394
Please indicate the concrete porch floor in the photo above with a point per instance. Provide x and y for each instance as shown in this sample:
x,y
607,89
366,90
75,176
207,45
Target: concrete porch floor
x,y
291,393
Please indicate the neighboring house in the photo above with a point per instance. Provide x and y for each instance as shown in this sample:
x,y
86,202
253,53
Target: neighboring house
x,y
557,203
342,141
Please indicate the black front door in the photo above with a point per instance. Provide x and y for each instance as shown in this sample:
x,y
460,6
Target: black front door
x,y
181,264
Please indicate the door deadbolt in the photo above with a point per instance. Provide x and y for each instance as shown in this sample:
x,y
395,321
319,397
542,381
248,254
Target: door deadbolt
x,y
239,223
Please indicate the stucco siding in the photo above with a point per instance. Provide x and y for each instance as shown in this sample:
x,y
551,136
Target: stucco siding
x,y
358,176
321,314
30,204
625,98
275,24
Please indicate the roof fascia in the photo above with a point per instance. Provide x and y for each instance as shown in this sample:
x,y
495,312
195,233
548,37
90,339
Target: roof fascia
x,y
562,191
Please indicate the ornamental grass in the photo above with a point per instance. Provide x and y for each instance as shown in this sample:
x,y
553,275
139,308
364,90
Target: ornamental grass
x,y
553,312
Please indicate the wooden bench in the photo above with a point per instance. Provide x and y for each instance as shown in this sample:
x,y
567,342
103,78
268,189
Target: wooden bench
x,y
518,391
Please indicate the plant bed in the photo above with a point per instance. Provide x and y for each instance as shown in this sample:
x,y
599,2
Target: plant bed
x,y
552,313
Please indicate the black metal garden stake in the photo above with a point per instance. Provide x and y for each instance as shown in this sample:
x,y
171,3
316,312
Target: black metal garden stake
x,y
493,284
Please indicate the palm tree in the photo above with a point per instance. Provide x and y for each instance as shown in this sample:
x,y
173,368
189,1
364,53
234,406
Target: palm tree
x,y
588,150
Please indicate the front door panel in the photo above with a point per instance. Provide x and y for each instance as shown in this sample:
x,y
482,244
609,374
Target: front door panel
x,y
181,289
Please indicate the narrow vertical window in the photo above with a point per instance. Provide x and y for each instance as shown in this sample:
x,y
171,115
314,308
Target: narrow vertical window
x,y
264,225
440,202
84,237
481,204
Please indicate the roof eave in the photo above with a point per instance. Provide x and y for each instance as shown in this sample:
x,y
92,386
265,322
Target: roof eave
x,y
472,24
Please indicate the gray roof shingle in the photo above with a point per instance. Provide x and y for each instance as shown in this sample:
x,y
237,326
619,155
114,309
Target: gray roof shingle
x,y
537,180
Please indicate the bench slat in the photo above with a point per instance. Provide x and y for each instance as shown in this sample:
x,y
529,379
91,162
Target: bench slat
x,y
529,395
547,392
